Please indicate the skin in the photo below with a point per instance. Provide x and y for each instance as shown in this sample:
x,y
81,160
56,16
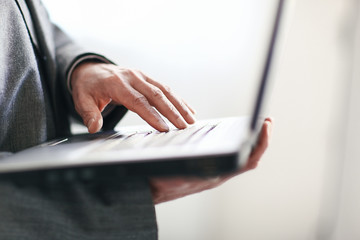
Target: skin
x,y
167,189
95,85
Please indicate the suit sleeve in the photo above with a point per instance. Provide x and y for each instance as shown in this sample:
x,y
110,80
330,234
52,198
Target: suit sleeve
x,y
68,55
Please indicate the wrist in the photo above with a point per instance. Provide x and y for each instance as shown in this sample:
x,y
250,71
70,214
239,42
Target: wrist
x,y
79,70
88,58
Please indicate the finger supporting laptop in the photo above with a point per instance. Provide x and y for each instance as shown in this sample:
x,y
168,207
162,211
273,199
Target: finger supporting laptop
x,y
262,144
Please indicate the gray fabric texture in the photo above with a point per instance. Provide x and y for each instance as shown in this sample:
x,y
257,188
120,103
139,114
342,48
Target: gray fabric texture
x,y
35,107
121,210
25,119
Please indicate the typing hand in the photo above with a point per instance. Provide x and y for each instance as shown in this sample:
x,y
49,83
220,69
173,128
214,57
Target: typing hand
x,y
95,85
171,188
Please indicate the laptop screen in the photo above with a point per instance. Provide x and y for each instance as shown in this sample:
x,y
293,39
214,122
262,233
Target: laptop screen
x,y
259,103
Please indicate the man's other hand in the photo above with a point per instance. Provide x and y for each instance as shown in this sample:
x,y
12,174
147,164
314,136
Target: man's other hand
x,y
170,188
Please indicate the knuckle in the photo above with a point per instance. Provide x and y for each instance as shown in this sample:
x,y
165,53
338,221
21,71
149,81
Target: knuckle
x,y
139,101
157,93
127,73
173,109
133,76
184,107
137,71
167,89
132,73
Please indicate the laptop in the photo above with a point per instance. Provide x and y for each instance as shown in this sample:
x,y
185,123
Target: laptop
x,y
206,148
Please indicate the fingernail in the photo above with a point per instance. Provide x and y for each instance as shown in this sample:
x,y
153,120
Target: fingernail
x,y
164,126
271,119
181,123
194,111
191,118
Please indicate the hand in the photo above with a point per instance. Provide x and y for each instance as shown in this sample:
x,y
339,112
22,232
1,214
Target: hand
x,y
95,85
171,188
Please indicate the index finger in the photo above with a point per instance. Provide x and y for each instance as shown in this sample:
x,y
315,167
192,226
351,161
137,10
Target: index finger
x,y
138,103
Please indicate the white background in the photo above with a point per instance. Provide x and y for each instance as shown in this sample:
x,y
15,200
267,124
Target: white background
x,y
210,53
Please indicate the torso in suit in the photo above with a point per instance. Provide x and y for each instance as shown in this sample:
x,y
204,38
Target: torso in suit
x,y
35,106
26,117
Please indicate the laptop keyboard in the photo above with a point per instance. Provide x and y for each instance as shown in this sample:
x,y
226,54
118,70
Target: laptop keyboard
x,y
174,137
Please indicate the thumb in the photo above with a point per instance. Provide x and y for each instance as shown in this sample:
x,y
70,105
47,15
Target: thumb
x,y
90,114
94,124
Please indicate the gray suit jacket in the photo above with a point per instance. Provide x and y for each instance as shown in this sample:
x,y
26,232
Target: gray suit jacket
x,y
35,57
41,55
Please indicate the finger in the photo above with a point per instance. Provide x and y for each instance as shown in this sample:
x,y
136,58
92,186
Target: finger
x,y
189,107
262,144
183,108
254,158
136,102
157,99
270,128
90,113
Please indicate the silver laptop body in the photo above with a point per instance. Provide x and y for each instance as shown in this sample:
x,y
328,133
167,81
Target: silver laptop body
x,y
206,148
